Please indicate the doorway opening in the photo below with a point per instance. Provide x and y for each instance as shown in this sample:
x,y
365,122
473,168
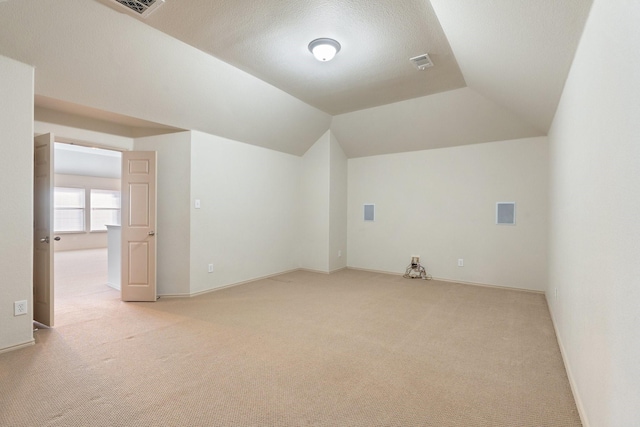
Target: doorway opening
x,y
86,207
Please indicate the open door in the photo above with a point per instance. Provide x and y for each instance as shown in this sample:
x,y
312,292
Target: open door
x,y
138,251
43,230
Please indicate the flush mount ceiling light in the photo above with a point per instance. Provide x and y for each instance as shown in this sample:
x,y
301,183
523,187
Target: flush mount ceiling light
x,y
324,49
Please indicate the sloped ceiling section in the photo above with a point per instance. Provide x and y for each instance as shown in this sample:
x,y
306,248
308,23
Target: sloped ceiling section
x,y
103,59
514,56
515,52
457,117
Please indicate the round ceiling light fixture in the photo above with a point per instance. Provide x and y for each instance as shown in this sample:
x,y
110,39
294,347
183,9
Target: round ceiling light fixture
x,y
324,49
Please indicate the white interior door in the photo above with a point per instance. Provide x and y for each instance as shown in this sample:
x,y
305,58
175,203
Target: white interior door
x,y
43,230
138,268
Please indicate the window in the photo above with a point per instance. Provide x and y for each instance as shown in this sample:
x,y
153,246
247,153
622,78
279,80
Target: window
x,y
105,209
68,209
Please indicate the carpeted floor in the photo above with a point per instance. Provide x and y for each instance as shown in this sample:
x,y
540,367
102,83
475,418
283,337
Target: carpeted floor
x,y
302,349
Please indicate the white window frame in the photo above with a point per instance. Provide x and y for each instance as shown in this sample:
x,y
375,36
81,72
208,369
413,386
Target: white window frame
x,y
92,228
58,208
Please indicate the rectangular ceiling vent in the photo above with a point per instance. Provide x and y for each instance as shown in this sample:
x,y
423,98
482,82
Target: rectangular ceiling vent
x,y
422,62
142,8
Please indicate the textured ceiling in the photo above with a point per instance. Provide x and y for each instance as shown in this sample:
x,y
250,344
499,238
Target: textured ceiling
x,y
270,42
516,52
241,69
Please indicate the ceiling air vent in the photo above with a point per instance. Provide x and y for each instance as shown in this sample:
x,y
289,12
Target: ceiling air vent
x,y
142,8
422,62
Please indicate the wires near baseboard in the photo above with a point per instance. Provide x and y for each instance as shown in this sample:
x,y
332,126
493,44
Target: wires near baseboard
x,y
416,271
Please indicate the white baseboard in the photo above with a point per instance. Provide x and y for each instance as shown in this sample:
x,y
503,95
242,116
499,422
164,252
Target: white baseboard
x,y
574,389
311,270
485,285
111,285
440,279
219,288
488,285
368,270
18,346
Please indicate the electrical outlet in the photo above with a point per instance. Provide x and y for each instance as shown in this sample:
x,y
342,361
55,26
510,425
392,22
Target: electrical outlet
x,y
339,254
460,262
20,308
197,204
210,268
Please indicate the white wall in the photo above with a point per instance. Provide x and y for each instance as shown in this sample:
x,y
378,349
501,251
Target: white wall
x,y
313,241
246,226
86,239
440,204
173,206
337,206
323,207
16,195
452,118
595,226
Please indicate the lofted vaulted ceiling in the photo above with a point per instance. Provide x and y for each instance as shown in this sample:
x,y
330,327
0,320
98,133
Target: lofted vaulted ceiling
x,y
241,69
269,39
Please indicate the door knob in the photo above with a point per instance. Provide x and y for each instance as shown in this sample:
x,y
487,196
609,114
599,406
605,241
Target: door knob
x,y
44,239
152,233
57,238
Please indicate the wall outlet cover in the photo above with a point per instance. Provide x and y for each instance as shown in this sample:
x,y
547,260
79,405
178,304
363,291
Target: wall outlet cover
x,y
20,308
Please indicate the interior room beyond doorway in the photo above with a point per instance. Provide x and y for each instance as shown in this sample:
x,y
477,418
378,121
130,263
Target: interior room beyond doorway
x,y
86,200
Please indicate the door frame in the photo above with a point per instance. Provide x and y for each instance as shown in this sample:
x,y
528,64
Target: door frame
x,y
43,230
52,239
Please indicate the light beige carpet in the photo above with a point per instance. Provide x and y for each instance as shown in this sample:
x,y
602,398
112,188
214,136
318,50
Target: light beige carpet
x,y
301,349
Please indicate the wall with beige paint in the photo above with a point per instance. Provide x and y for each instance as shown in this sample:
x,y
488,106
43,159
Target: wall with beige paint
x,y
440,204
173,207
189,89
322,238
337,205
313,236
246,226
595,226
16,201
452,118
